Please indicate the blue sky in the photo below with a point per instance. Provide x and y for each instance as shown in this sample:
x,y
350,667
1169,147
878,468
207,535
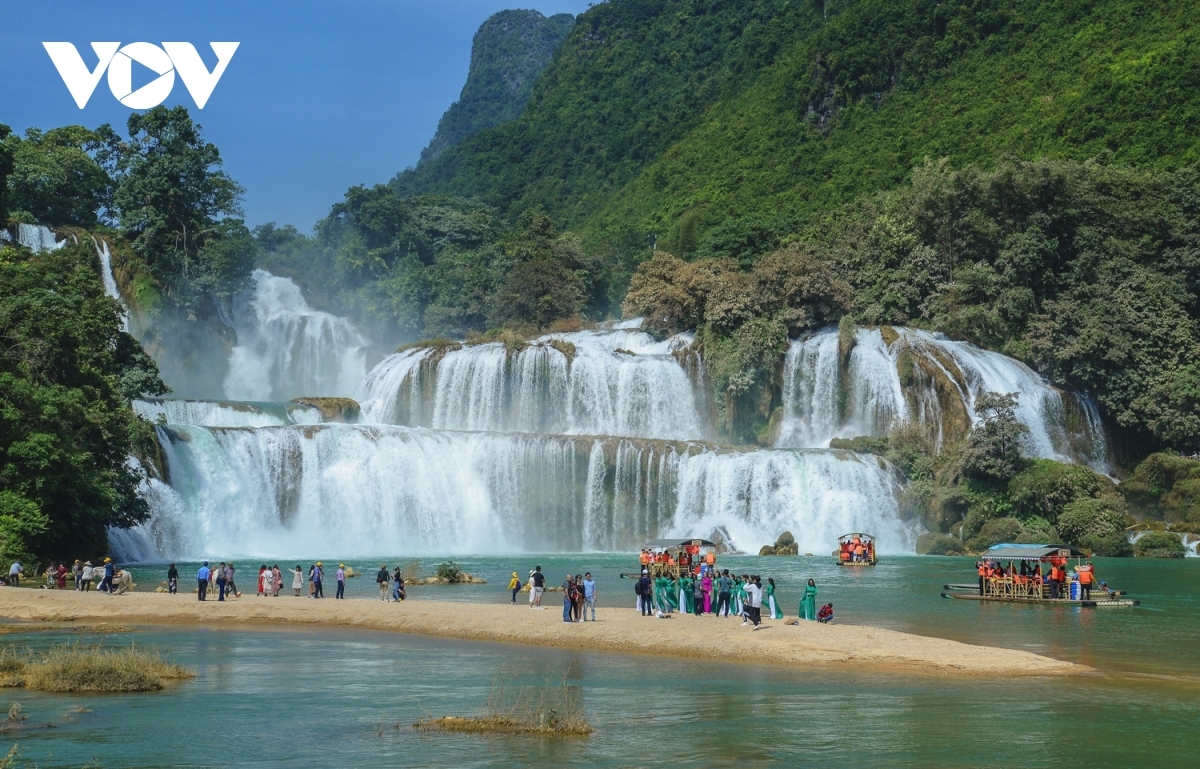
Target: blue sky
x,y
320,95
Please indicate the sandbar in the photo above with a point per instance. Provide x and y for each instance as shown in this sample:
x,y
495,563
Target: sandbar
x,y
621,630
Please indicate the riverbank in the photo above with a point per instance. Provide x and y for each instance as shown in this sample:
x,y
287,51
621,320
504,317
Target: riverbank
x,y
618,630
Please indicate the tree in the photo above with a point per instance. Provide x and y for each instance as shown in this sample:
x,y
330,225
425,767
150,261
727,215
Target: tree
x,y
67,371
171,200
993,448
55,177
6,167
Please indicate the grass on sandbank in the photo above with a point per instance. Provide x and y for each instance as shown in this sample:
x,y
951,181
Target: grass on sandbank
x,y
549,710
78,669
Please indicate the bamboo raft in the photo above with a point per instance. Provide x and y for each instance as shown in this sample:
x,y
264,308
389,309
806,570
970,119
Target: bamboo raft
x,y
1095,603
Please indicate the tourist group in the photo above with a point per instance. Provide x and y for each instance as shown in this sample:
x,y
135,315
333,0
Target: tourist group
x,y
219,581
107,577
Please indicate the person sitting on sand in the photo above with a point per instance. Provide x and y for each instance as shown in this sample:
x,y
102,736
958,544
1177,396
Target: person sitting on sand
x,y
398,593
825,615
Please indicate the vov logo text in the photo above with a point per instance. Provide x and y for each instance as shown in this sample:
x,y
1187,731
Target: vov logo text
x,y
117,60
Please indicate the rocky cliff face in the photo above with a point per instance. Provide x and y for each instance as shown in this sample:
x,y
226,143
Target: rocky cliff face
x,y
508,54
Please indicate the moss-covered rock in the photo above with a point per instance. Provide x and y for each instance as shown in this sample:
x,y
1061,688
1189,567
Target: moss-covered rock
x,y
939,544
333,409
1159,544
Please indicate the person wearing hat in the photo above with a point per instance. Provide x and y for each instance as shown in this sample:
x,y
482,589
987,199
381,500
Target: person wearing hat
x,y
88,574
106,584
77,574
514,585
383,578
341,580
318,572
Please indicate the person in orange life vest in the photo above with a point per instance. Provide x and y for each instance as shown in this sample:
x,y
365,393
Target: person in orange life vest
x,y
1085,580
982,574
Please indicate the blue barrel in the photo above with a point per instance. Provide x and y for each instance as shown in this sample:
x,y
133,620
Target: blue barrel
x,y
1076,593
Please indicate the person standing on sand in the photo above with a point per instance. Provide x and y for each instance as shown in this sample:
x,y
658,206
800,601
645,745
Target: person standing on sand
x,y
202,580
706,584
808,604
106,584
382,579
538,580
268,582
589,596
172,579
340,576
261,569
568,594
14,573
318,574
514,585
751,606
88,574
645,591
230,585
277,580
769,600
218,574
297,580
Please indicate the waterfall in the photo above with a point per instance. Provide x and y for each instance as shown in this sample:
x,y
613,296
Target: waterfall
x,y
225,413
616,382
36,237
380,490
917,377
110,281
286,349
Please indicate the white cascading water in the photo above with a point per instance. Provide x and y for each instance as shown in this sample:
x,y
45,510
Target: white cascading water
x,y
110,281
225,413
286,349
36,237
577,442
820,403
365,490
618,382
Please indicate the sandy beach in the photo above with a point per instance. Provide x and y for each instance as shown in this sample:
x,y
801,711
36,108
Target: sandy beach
x,y
618,630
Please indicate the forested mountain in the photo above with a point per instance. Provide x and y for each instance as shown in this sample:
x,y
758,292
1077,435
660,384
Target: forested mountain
x,y
509,52
677,116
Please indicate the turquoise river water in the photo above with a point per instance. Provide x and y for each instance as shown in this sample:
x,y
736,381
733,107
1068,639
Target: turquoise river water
x,y
334,697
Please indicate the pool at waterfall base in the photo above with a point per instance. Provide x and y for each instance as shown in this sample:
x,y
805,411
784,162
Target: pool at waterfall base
x,y
340,696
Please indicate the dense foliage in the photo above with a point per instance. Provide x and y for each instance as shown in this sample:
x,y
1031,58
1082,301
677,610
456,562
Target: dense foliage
x,y
709,119
67,373
509,52
163,188
743,319
411,268
177,206
55,178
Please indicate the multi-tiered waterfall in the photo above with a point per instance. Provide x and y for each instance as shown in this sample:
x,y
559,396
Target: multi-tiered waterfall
x,y
588,441
892,376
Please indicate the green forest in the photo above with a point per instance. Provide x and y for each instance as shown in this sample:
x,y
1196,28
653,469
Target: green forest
x,y
1024,176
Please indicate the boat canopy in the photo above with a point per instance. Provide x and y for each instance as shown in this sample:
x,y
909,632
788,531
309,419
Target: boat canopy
x,y
1016,552
849,537
662,544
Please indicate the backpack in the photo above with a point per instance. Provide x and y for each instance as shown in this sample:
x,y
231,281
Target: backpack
x,y
637,587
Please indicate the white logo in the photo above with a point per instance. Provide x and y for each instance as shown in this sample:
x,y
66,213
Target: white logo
x,y
118,60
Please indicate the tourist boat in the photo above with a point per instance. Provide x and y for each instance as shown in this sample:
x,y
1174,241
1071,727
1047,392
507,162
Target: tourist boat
x,y
1019,588
847,546
673,557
